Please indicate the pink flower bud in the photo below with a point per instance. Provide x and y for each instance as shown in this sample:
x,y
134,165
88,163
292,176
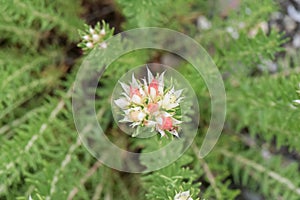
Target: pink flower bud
x,y
167,123
154,84
153,107
134,91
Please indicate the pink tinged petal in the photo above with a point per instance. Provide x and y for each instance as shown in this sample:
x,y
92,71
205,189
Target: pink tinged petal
x,y
134,91
136,99
154,84
153,107
167,123
122,103
125,87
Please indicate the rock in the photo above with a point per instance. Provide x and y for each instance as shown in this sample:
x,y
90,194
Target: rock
x,y
249,195
268,65
296,40
293,13
289,24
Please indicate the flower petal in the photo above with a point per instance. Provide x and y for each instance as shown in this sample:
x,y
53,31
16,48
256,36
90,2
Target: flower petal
x,y
150,123
125,87
178,93
136,99
175,133
162,133
150,75
152,93
134,82
122,103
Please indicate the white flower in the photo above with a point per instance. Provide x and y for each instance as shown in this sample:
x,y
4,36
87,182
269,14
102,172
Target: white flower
x,y
171,99
150,104
183,196
134,115
94,37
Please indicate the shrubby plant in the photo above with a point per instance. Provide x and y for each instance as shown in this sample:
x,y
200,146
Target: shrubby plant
x,y
41,154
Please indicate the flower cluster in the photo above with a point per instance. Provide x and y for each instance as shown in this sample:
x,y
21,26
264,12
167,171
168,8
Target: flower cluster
x,y
149,103
93,37
183,196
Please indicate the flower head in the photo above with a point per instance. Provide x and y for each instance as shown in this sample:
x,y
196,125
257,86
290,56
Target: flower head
x,y
150,104
95,37
183,196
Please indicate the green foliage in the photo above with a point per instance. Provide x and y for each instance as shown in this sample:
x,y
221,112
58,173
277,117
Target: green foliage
x,y
166,183
268,109
42,156
29,23
260,170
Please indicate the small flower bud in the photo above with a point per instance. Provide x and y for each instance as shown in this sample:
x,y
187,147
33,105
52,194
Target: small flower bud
x,y
183,196
89,45
92,31
103,45
153,107
96,37
102,32
167,123
86,37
